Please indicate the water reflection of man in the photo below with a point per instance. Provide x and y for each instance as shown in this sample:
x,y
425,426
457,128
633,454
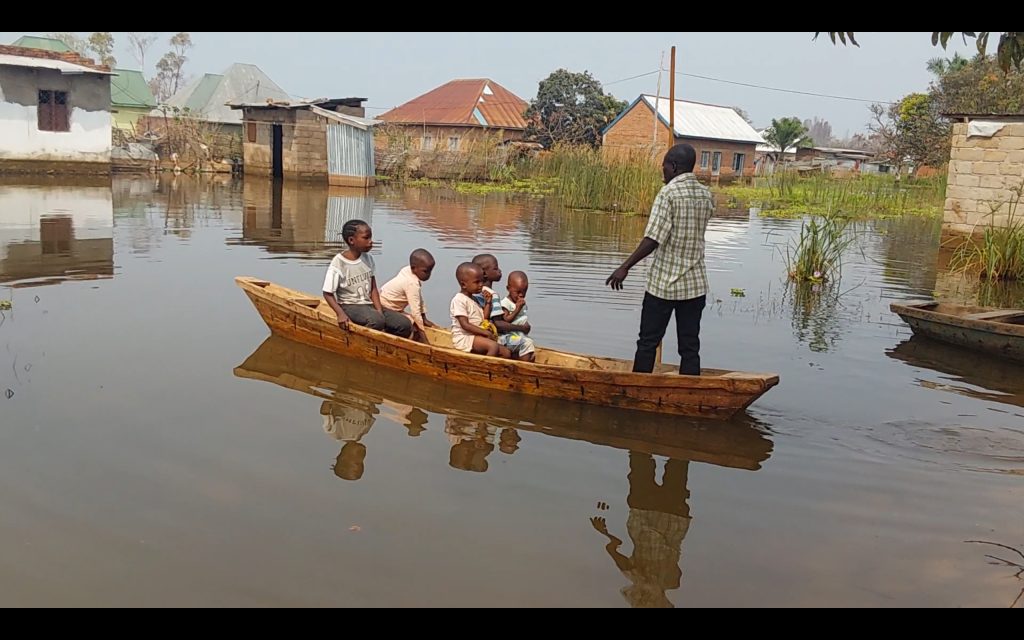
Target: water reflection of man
x,y
348,421
659,518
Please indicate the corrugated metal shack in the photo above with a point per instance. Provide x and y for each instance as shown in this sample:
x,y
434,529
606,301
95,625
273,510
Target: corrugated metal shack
x,y
323,140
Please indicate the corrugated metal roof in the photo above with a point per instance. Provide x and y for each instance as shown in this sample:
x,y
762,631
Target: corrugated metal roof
x,y
46,44
355,121
698,120
128,88
208,96
477,102
314,106
852,152
201,94
69,68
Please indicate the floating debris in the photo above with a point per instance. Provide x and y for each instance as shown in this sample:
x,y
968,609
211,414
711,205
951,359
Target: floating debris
x,y
5,305
737,293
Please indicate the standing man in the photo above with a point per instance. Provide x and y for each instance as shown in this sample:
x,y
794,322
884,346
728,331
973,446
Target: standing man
x,y
677,280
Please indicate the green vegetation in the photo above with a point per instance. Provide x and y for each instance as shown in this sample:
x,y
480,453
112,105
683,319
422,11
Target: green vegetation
x,y
785,194
587,179
816,255
999,253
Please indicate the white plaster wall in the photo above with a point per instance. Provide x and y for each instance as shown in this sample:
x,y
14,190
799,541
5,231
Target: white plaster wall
x,y
20,138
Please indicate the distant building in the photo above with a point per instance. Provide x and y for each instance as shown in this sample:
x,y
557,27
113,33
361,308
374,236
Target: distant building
x,y
766,156
726,144
130,98
326,140
446,118
54,112
207,97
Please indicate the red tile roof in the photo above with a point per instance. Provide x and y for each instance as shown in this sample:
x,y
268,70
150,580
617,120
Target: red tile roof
x,y
475,102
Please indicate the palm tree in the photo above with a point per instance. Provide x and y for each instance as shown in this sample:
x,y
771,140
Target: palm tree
x,y
785,133
941,66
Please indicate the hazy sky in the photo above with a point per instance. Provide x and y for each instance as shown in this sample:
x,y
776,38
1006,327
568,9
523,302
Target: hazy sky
x,y
391,68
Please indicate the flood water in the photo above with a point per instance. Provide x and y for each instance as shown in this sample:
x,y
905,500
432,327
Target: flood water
x,y
157,449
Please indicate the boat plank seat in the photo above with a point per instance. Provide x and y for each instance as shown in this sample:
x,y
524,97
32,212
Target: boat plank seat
x,y
992,315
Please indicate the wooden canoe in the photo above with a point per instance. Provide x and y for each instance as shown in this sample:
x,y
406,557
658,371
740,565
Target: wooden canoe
x,y
998,332
555,374
739,443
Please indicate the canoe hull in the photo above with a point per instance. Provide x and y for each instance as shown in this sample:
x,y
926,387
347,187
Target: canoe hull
x,y
600,381
995,332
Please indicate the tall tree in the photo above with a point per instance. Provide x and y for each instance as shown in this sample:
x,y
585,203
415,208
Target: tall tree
x,y
139,43
75,42
912,131
1009,51
861,142
99,45
941,66
978,86
170,75
819,130
102,44
570,108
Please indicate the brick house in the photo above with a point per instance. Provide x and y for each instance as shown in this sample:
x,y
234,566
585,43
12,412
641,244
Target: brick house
x,y
446,118
726,144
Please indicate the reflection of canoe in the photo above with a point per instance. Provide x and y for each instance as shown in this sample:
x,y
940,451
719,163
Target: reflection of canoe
x,y
992,380
738,444
602,381
998,332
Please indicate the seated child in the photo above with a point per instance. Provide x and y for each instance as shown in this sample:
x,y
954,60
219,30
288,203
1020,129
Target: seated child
x,y
492,274
350,286
513,311
467,316
404,291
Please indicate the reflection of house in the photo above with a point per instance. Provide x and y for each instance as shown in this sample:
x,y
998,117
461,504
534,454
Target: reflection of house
x,y
326,140
130,98
54,233
455,217
986,164
725,143
286,218
448,117
54,110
